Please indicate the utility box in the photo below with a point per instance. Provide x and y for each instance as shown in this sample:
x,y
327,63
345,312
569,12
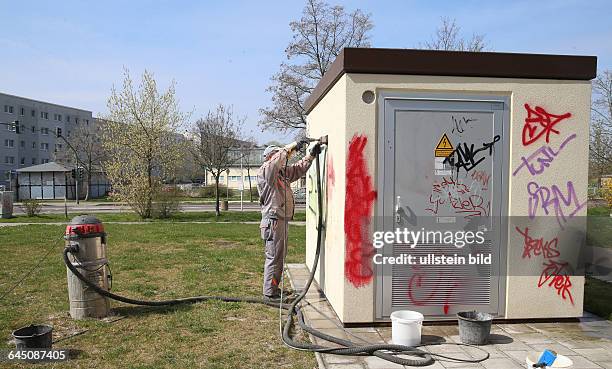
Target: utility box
x,y
6,204
452,181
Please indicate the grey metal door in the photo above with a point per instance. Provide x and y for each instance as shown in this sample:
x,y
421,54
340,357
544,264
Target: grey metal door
x,y
443,160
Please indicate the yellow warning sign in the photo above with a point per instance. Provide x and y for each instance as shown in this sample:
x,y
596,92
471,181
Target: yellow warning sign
x,y
444,147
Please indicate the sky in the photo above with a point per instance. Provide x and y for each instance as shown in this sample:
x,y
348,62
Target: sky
x,y
73,52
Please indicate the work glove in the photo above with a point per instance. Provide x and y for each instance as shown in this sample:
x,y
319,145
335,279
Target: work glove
x,y
301,144
315,150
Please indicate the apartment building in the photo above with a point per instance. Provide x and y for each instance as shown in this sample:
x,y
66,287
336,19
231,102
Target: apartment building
x,y
36,142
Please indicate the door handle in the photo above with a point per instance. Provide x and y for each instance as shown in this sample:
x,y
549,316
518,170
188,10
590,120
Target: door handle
x,y
398,206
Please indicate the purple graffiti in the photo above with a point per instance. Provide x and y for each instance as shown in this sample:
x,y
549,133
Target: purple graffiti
x,y
537,162
547,199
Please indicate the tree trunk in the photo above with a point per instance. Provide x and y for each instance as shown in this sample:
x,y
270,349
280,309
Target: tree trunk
x,y
217,211
88,180
149,203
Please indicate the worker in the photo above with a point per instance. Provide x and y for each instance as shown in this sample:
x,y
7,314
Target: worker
x,y
277,206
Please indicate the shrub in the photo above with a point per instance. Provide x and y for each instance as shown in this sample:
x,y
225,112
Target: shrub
x,y
31,207
606,192
166,203
209,191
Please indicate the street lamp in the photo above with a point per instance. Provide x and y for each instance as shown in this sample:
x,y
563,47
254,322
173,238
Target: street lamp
x,y
77,173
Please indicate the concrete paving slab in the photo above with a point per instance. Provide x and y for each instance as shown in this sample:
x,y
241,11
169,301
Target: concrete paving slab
x,y
583,363
595,354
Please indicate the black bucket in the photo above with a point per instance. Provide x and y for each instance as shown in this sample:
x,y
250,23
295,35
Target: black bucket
x,y
33,336
474,327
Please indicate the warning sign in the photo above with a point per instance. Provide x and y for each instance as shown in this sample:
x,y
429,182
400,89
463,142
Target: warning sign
x,y
444,147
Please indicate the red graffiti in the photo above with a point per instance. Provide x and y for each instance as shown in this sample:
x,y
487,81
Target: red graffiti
x,y
540,123
482,177
429,285
552,274
537,247
359,200
331,176
457,197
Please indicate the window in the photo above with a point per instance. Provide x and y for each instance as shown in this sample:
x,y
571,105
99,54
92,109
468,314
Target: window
x,y
58,147
8,109
68,118
87,121
47,116
33,112
58,131
44,146
9,160
9,143
22,161
76,120
42,114
44,161
22,111
22,144
59,117
221,179
33,161
44,131
33,129
34,145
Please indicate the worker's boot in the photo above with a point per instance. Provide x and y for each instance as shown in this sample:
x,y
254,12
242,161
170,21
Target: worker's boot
x,y
288,297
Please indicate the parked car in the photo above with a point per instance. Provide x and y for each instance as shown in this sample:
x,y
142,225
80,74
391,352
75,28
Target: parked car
x,y
300,195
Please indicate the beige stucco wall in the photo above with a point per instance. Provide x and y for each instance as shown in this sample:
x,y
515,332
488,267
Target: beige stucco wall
x,y
523,297
329,118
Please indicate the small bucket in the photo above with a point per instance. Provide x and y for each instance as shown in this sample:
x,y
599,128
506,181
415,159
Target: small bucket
x,y
33,336
406,327
560,362
474,327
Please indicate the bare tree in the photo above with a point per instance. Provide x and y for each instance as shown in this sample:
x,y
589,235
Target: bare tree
x,y
142,138
601,126
318,37
215,137
448,37
87,145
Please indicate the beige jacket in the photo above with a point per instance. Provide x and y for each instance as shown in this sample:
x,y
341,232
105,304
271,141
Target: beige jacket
x,y
273,184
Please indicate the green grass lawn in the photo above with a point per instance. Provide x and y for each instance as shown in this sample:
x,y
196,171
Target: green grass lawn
x,y
155,261
201,216
597,295
599,227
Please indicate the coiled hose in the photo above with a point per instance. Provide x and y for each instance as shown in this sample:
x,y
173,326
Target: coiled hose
x,y
387,352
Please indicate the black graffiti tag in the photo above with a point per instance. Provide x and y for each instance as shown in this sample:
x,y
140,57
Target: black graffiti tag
x,y
459,125
465,156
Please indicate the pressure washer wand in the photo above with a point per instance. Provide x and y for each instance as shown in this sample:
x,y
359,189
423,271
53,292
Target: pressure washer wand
x,y
322,140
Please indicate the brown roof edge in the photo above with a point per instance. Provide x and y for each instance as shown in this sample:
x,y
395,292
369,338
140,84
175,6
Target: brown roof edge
x,y
453,63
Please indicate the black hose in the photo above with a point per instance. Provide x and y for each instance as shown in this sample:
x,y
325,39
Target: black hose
x,y
387,352
127,300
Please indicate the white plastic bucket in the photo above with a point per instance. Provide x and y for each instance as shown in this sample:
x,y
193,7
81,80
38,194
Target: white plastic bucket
x,y
406,327
560,362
